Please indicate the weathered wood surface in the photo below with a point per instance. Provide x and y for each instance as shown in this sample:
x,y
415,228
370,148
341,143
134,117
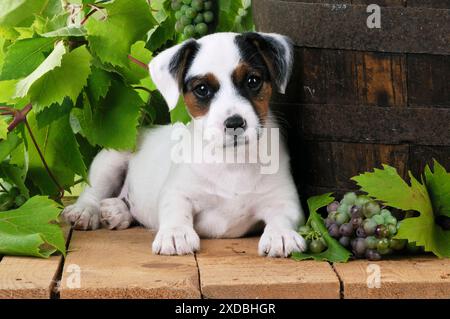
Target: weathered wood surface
x,y
231,268
420,277
119,264
340,25
29,277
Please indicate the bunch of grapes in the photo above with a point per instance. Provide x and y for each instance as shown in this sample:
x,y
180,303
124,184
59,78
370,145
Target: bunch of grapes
x,y
360,223
314,240
193,16
11,199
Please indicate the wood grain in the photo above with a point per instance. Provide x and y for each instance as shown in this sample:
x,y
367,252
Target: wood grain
x,y
419,277
30,277
231,268
120,264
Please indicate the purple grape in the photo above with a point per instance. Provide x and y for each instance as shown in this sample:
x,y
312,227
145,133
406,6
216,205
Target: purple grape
x,y
356,222
328,222
372,254
360,232
332,207
333,230
346,229
344,241
360,247
381,231
356,211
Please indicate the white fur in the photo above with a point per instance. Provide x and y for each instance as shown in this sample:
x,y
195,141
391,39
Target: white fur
x,y
185,201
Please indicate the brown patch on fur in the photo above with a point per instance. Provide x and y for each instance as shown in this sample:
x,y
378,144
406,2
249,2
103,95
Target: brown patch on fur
x,y
260,100
198,107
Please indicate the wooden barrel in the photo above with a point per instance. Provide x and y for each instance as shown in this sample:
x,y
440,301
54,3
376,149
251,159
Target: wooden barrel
x,y
360,97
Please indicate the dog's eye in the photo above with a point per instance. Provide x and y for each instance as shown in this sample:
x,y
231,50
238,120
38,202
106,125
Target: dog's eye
x,y
202,91
254,82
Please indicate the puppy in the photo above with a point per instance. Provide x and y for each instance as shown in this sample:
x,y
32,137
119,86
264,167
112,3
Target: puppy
x,y
227,80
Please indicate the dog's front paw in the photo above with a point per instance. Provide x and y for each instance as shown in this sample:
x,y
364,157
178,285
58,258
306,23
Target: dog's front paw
x,y
114,214
280,243
81,216
181,240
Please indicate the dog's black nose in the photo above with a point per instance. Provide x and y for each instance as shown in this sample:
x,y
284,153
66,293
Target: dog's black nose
x,y
235,122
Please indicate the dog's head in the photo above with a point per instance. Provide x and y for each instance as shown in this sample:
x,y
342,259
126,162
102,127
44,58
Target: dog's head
x,y
227,79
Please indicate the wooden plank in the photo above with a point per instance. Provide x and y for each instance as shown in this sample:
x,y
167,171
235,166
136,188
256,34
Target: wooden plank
x,y
419,277
374,124
438,4
231,268
382,3
381,79
30,277
428,80
344,26
120,264
419,156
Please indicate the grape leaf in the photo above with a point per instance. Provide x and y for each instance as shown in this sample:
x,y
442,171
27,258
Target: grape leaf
x,y
388,187
61,152
7,91
24,56
53,113
67,80
99,83
113,123
3,128
19,12
438,185
8,145
335,252
31,230
15,176
109,39
69,31
53,61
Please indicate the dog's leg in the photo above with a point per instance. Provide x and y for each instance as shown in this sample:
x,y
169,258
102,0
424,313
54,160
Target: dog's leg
x,y
176,235
106,177
280,237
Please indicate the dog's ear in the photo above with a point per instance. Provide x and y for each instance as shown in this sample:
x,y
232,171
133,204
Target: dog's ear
x,y
169,68
278,54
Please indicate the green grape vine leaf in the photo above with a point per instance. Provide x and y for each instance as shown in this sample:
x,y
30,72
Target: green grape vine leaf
x,y
428,198
334,252
32,229
109,39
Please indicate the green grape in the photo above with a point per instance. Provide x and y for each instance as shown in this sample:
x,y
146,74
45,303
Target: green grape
x,y
343,209
369,226
242,12
208,16
349,199
303,230
316,246
361,200
187,2
197,5
20,200
189,31
179,27
385,213
371,242
332,216
383,244
198,19
207,5
341,218
185,21
370,209
176,5
201,29
184,8
390,220
378,219
392,230
398,244
178,15
191,13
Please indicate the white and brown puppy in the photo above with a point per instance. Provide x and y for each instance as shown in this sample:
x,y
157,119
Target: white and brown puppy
x,y
227,81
